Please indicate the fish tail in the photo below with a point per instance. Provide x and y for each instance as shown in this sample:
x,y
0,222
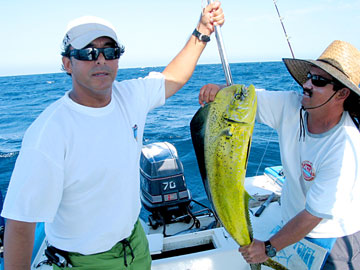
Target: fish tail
x,y
255,266
247,197
274,265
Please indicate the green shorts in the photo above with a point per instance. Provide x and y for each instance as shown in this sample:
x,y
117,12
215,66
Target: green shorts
x,y
114,258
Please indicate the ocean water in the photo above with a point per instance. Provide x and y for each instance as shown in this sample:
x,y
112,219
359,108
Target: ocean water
x,y
23,98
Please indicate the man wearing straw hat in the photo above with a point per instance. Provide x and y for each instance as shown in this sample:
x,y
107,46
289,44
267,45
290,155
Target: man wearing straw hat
x,y
320,151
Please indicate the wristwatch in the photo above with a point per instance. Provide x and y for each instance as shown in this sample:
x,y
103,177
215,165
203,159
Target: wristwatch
x,y
270,251
201,37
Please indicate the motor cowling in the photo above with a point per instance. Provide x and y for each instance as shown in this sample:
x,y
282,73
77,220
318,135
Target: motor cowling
x,y
163,187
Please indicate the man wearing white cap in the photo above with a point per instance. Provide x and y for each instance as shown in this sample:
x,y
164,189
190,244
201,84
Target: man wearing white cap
x,y
320,152
78,168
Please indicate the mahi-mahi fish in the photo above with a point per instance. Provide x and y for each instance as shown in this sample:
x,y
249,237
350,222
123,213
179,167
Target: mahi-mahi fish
x,y
221,132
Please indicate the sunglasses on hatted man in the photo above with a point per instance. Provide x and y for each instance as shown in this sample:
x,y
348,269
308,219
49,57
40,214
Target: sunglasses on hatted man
x,y
318,80
91,54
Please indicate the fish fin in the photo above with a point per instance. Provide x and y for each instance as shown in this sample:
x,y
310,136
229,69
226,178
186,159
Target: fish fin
x,y
247,213
197,128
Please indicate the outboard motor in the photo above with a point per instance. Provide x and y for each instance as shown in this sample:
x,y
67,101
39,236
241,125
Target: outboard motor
x,y
163,188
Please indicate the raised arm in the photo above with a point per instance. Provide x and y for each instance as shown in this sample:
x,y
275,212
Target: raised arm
x,y
180,69
18,244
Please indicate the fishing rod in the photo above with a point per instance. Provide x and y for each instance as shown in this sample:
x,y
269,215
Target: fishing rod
x,y
283,27
292,53
221,48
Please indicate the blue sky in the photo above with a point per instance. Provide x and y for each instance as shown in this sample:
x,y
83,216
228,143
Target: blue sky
x,y
153,32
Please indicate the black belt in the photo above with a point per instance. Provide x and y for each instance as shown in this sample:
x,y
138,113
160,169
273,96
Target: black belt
x,y
56,256
61,257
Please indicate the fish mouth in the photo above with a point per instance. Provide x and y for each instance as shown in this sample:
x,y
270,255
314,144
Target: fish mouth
x,y
236,121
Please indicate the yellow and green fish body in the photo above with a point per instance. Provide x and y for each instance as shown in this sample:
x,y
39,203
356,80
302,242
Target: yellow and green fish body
x,y
228,133
221,133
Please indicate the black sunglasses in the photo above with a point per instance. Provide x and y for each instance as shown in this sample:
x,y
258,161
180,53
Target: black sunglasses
x,y
91,54
318,80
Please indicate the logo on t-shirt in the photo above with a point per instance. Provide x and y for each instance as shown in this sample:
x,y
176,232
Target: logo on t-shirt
x,y
308,171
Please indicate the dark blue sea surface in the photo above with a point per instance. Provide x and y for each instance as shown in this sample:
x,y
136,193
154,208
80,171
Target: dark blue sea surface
x,y
23,98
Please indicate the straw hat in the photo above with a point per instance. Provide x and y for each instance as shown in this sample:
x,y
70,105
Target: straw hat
x,y
341,60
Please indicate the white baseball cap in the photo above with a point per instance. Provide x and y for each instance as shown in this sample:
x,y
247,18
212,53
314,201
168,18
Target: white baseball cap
x,y
81,31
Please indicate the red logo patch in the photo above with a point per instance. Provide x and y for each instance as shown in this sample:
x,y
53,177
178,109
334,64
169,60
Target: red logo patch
x,y
307,170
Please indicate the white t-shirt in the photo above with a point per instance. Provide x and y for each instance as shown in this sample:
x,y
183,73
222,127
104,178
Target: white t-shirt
x,y
322,172
78,168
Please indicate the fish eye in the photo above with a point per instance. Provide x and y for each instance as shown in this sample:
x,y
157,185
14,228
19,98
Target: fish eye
x,y
237,96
